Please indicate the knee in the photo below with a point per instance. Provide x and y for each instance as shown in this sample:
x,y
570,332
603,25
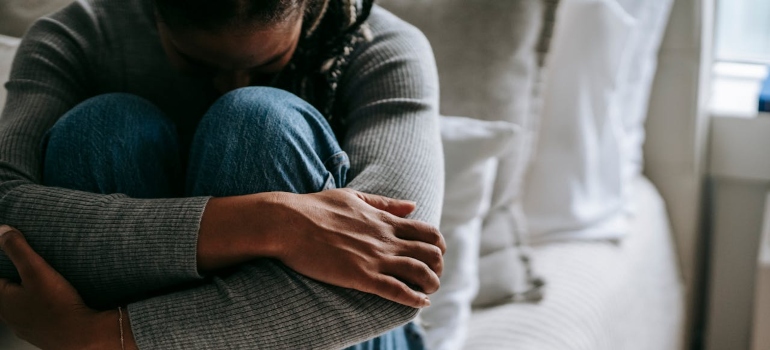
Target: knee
x,y
260,130
267,110
259,99
108,118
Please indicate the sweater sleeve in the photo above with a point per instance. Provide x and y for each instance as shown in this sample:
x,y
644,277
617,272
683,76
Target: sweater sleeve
x,y
395,150
107,246
393,138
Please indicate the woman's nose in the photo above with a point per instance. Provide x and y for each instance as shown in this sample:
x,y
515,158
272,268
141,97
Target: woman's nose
x,y
225,82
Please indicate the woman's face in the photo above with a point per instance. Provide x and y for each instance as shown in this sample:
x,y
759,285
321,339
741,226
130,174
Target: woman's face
x,y
232,58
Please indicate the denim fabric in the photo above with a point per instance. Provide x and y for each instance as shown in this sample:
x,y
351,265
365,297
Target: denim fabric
x,y
409,337
251,140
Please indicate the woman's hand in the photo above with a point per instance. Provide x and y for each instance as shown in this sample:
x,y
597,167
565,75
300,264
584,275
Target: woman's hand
x,y
361,241
341,237
45,310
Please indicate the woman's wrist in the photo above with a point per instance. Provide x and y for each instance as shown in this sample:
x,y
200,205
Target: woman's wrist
x,y
237,229
111,331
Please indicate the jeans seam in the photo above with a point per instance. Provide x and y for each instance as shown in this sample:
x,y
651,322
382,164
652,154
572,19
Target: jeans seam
x,y
336,160
337,165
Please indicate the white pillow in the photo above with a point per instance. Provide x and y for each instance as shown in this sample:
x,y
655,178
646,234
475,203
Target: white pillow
x,y
489,55
8,48
602,64
575,184
471,150
636,78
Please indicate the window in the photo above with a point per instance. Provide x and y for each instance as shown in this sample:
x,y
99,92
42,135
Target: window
x,y
743,31
742,55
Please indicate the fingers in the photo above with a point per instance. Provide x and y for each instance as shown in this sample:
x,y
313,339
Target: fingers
x,y
410,229
396,207
391,288
414,273
5,228
428,254
414,230
29,264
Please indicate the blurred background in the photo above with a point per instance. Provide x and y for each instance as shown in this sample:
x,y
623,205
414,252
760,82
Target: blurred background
x,y
626,204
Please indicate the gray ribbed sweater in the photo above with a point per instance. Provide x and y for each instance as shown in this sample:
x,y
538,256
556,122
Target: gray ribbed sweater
x,y
111,247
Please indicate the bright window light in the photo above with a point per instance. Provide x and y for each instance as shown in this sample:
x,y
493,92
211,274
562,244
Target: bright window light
x,y
743,31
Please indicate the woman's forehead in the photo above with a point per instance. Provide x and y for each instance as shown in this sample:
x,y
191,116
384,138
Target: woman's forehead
x,y
235,49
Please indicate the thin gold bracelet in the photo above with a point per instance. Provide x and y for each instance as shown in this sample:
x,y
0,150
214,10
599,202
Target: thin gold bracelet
x,y
120,323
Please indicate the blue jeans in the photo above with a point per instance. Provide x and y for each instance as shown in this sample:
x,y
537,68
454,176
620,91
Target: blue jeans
x,y
251,140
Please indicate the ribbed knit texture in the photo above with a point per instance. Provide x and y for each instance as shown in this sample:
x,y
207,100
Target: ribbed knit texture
x,y
114,248
601,295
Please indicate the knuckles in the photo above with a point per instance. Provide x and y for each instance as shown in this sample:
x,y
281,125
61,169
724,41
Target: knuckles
x,y
425,277
436,260
430,234
432,284
433,287
437,239
350,194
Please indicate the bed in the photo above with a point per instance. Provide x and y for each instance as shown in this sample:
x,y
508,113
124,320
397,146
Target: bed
x,y
601,295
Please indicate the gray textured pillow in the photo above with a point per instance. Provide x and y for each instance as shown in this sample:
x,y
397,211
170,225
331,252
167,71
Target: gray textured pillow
x,y
490,55
8,46
17,15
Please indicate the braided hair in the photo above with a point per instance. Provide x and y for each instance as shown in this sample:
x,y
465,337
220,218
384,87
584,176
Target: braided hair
x,y
332,31
324,53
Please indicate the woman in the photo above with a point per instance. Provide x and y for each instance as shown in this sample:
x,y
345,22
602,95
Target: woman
x,y
167,157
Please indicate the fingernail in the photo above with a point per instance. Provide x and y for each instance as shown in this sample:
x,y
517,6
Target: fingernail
x,y
5,229
425,300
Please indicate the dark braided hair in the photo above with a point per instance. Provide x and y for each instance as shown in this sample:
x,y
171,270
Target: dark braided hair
x,y
332,31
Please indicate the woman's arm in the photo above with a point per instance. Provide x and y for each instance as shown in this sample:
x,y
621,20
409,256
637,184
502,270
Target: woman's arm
x,y
395,147
231,312
45,310
341,237
263,303
113,248
392,114
109,246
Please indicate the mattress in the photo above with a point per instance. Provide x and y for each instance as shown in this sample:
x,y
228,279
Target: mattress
x,y
623,295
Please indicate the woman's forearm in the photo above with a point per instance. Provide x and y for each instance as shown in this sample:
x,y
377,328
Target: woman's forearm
x,y
112,331
341,237
110,247
237,229
262,305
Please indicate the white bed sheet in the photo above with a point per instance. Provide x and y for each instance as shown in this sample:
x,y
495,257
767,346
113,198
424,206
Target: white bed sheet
x,y
600,295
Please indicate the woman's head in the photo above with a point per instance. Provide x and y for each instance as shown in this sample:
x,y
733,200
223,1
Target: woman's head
x,y
217,15
234,42
238,43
